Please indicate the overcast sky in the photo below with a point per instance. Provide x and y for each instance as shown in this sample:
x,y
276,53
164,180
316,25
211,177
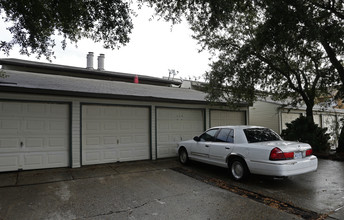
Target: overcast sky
x,y
155,47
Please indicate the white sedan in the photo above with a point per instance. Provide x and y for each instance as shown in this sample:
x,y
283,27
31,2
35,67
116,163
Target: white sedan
x,y
249,149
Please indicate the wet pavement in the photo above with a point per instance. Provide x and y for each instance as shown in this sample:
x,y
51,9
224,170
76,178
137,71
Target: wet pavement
x,y
321,191
160,190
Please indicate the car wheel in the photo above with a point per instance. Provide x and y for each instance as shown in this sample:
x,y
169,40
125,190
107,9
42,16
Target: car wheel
x,y
183,156
238,168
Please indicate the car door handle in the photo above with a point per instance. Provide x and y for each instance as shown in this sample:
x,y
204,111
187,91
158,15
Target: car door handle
x,y
206,145
227,148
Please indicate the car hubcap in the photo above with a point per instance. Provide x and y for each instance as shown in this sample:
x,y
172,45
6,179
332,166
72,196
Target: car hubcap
x,y
237,170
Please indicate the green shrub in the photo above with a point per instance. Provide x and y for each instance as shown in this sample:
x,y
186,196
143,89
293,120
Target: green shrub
x,y
302,130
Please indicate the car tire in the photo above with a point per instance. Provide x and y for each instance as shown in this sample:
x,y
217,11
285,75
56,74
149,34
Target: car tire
x,y
238,169
183,156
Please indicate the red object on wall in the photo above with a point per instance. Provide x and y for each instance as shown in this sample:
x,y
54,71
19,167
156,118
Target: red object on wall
x,y
136,79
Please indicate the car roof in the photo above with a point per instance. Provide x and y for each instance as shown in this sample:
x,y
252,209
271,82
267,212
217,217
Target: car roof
x,y
238,126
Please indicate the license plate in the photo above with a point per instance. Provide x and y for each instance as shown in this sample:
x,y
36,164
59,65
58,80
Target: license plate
x,y
298,155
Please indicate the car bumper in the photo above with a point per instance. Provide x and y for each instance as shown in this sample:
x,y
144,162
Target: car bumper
x,y
284,168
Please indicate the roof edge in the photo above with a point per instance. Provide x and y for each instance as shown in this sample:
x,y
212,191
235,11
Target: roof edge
x,y
79,70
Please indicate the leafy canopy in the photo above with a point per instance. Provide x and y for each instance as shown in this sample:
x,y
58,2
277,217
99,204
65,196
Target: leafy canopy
x,y
286,48
33,23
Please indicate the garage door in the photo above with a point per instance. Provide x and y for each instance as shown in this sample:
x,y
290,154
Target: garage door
x,y
220,117
114,133
174,125
289,117
33,135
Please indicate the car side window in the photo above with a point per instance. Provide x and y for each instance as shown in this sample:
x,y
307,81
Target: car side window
x,y
225,135
208,135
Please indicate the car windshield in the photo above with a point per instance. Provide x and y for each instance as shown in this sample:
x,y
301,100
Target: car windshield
x,y
254,135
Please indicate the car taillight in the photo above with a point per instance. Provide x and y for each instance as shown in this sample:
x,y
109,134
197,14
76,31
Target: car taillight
x,y
278,154
309,152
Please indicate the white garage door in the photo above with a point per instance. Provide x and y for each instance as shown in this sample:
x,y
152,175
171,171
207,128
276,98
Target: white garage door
x,y
174,125
221,117
114,133
289,117
33,135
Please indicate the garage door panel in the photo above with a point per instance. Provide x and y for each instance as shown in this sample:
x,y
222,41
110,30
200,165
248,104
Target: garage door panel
x,y
141,139
33,160
110,140
57,159
174,125
126,126
92,126
92,156
37,131
9,162
10,144
222,118
141,125
110,125
116,129
36,109
10,108
34,143
10,125
57,126
91,142
58,143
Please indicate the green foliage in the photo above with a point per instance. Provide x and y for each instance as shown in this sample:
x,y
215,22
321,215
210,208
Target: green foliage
x,y
35,22
301,129
289,49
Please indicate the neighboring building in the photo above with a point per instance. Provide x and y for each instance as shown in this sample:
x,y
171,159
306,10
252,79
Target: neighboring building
x,y
275,115
62,116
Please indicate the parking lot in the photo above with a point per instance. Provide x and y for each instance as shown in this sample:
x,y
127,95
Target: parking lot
x,y
164,189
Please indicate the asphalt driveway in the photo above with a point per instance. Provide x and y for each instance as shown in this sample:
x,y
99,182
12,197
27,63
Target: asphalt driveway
x,y
157,190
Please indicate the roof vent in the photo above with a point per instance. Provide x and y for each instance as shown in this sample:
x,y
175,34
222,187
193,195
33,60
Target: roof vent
x,y
101,58
89,60
136,79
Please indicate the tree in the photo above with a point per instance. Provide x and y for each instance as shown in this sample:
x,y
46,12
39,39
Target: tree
x,y
33,23
290,49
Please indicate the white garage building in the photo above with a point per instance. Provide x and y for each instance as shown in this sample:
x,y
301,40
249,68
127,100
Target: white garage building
x,y
275,115
62,116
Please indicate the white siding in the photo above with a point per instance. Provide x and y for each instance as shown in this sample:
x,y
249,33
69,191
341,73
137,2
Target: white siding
x,y
265,114
288,117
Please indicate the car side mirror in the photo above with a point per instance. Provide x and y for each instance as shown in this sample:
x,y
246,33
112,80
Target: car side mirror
x,y
196,138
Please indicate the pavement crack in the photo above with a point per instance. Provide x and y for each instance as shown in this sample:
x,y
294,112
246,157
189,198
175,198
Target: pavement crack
x,y
129,210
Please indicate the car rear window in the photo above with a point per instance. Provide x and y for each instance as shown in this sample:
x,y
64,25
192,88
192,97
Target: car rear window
x,y
254,135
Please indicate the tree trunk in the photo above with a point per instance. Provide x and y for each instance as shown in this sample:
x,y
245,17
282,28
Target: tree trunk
x,y
309,113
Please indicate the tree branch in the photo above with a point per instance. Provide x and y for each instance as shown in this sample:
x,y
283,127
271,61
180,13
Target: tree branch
x,y
333,59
